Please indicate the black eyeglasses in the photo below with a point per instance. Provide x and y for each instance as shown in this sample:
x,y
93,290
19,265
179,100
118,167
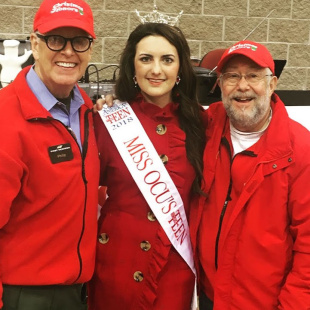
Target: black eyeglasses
x,y
56,43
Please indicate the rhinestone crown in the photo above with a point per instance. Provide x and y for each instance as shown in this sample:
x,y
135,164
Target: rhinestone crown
x,y
156,17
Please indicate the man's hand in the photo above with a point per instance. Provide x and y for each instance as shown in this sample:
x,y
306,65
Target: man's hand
x,y
108,100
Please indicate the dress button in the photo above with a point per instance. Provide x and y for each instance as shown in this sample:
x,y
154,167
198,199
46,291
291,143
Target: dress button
x,y
164,158
161,129
151,217
274,166
138,276
103,238
145,246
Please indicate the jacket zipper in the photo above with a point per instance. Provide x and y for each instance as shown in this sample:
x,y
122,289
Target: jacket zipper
x,y
228,198
84,152
226,144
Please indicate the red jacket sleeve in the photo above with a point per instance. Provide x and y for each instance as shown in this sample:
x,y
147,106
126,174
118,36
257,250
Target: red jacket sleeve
x,y
10,176
295,293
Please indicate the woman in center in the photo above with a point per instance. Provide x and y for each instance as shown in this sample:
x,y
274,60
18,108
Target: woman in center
x,y
137,267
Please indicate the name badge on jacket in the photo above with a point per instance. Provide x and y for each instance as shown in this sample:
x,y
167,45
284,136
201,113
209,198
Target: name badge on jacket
x,y
60,153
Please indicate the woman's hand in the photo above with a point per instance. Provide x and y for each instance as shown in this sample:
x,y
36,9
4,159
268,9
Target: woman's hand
x,y
108,100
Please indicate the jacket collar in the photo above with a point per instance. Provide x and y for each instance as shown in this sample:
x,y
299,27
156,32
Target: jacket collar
x,y
30,106
276,138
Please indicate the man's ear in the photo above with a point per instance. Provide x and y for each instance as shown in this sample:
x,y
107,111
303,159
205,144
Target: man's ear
x,y
219,83
91,50
273,84
34,45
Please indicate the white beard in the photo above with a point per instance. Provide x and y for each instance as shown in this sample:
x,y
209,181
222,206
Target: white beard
x,y
247,117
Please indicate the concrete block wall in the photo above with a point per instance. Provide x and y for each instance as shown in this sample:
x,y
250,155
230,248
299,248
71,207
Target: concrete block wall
x,y
207,24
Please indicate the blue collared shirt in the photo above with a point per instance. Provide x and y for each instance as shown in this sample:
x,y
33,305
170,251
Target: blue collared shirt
x,y
56,108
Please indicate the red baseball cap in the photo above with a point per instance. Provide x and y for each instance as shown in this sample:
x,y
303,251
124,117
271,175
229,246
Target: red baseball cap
x,y
255,51
54,14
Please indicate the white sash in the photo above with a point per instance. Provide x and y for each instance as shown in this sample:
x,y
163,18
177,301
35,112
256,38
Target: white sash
x,y
151,177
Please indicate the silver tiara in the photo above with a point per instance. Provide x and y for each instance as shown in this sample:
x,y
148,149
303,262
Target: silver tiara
x,y
156,17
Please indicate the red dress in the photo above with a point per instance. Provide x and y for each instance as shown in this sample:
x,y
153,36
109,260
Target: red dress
x,y
136,265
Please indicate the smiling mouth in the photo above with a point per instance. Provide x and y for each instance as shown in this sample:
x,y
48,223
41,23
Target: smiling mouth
x,y
156,80
243,100
66,64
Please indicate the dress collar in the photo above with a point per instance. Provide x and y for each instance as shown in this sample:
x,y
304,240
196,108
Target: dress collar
x,y
170,110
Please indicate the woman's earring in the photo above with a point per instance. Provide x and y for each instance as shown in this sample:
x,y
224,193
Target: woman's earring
x,y
177,80
135,81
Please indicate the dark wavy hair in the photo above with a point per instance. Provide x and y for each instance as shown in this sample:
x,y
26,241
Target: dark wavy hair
x,y
189,112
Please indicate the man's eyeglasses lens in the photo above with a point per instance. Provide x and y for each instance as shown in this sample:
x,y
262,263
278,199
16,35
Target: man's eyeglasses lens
x,y
57,43
231,78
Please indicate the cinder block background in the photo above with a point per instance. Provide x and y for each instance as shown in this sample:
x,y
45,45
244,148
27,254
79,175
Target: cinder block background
x,y
207,24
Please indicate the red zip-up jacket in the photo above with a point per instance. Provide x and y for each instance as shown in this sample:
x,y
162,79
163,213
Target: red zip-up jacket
x,y
47,210
253,228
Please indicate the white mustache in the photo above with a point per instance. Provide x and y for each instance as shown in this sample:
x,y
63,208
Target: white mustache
x,y
239,95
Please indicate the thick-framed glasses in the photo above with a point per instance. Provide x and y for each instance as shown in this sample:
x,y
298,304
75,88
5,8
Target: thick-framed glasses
x,y
57,43
233,78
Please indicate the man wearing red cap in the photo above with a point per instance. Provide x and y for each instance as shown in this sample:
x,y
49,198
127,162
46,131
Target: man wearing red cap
x,y
49,167
252,230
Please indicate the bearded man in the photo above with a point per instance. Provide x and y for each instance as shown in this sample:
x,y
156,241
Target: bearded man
x,y
252,230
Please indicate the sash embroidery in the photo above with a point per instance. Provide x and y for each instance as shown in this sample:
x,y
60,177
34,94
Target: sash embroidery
x,y
151,177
